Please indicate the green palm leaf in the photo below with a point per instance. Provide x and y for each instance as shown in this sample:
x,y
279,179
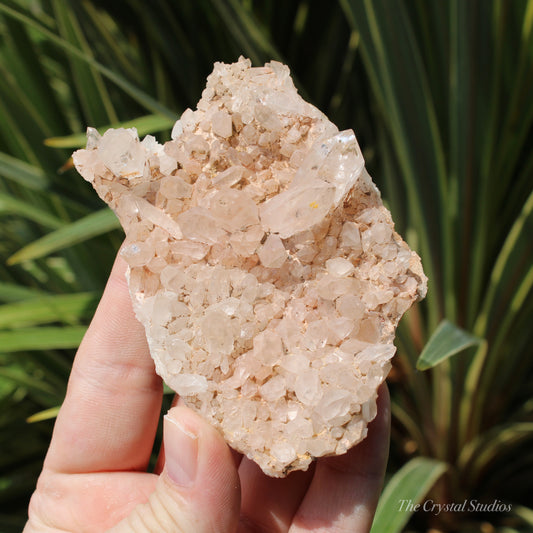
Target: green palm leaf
x,y
86,228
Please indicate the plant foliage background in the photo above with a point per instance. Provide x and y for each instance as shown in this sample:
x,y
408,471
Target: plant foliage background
x,y
440,96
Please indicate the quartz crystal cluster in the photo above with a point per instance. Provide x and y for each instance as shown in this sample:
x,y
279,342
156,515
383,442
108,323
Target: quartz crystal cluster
x,y
262,264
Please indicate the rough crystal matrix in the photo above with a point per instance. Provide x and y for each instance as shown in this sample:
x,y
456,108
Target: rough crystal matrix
x,y
263,265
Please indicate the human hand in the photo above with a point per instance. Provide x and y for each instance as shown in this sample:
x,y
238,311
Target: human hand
x,y
94,477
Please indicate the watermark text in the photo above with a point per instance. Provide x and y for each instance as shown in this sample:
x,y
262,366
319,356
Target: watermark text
x,y
466,506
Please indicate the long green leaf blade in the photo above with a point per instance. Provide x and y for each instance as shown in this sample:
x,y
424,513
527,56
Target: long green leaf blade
x,y
41,338
10,205
21,379
46,414
79,231
11,292
26,75
93,94
409,485
447,340
60,307
144,99
22,173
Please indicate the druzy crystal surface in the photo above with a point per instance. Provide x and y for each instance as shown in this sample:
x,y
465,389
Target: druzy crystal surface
x,y
262,264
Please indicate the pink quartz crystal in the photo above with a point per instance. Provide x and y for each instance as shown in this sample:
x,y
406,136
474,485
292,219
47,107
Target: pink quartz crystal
x,y
263,265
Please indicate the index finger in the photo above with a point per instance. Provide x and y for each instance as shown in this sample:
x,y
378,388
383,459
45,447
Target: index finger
x,y
110,413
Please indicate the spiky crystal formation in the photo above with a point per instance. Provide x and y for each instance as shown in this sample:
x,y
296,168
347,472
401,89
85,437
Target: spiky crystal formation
x,y
263,265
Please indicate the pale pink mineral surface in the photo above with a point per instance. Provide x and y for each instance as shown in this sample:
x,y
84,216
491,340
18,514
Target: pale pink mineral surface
x,y
263,265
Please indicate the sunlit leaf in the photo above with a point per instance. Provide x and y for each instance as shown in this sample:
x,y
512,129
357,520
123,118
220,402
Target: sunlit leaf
x,y
47,414
46,309
447,340
76,232
41,338
525,513
405,489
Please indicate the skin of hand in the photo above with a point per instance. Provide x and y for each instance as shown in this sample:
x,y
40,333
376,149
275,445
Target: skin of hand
x,y
94,476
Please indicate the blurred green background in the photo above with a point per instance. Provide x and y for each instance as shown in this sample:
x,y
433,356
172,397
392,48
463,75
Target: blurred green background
x,y
440,95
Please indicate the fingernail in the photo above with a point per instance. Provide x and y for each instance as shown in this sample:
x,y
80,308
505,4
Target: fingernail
x,y
181,452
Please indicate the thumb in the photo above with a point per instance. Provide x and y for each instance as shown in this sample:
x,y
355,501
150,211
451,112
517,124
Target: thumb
x,y
198,490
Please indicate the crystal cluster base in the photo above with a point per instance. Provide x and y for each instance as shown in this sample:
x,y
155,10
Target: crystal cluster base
x,y
262,264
